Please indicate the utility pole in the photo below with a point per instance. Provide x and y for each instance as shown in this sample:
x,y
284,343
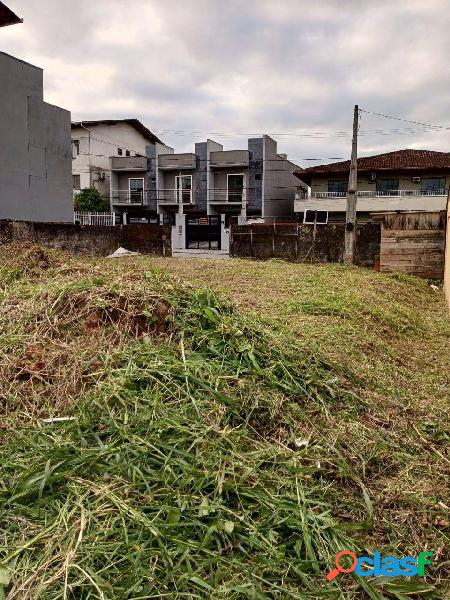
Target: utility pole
x,y
350,218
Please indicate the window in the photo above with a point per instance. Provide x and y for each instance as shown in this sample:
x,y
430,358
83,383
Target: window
x,y
258,177
433,184
75,148
136,190
119,151
183,188
235,187
338,186
387,187
76,182
315,217
127,153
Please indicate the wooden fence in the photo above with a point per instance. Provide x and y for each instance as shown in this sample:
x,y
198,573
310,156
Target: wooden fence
x,y
413,243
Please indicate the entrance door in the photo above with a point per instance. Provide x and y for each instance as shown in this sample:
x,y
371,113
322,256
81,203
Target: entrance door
x,y
203,233
183,188
235,187
136,190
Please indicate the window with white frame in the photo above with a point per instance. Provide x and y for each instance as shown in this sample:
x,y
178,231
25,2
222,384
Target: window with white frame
x,y
183,188
315,217
75,148
136,190
235,187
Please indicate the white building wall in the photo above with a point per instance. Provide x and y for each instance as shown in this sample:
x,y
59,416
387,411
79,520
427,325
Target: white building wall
x,y
97,144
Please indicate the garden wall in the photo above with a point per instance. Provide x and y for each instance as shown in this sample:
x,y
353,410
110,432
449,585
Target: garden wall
x,y
91,240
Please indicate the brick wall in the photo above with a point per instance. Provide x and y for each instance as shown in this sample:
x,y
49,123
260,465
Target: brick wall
x,y
90,240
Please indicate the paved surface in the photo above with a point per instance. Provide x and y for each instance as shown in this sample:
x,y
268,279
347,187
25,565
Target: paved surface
x,y
222,254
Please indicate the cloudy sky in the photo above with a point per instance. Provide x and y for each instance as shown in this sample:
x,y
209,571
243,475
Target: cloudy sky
x,y
229,68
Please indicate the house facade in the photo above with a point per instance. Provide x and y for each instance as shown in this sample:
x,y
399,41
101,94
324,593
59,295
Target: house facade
x,y
95,145
404,180
197,192
35,157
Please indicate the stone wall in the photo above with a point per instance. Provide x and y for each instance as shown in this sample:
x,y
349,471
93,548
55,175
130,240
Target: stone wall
x,y
90,240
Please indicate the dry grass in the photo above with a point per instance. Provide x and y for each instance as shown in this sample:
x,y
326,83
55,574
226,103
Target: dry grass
x,y
379,343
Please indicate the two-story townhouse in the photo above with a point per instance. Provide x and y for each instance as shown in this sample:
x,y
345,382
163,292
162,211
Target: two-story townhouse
x,y
95,144
404,180
197,192
35,161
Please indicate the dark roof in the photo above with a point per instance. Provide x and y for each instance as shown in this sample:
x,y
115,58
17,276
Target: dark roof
x,y
399,161
7,17
151,137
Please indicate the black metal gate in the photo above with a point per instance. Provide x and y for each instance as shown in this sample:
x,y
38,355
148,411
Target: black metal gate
x,y
203,233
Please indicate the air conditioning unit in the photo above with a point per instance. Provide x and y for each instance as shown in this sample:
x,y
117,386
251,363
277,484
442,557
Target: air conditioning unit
x,y
416,180
373,177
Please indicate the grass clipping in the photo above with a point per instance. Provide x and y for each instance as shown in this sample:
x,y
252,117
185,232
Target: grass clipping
x,y
182,474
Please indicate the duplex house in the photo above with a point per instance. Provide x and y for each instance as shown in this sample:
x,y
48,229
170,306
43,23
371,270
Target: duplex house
x,y
404,180
197,192
35,158
95,145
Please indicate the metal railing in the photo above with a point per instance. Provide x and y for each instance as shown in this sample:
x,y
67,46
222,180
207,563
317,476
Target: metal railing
x,y
380,194
94,218
175,196
227,195
135,197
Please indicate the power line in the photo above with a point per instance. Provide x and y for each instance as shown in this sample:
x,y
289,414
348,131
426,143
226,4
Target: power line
x,y
405,120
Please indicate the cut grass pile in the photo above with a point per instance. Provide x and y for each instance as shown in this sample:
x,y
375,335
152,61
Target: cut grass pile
x,y
211,452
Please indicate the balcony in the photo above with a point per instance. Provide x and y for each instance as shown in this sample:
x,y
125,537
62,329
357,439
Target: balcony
x,y
129,198
175,196
373,201
229,158
229,196
177,162
128,163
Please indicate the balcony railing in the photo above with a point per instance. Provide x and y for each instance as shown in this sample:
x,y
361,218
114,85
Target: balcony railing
x,y
175,196
133,197
379,194
227,195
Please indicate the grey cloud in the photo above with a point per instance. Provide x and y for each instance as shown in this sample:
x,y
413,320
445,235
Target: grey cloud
x,y
256,66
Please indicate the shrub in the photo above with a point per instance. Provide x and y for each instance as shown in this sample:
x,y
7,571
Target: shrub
x,y
90,200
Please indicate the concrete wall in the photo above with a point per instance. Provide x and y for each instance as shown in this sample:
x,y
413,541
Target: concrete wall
x,y
90,240
297,242
279,184
35,152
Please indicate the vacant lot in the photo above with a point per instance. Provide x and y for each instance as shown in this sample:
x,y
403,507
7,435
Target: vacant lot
x,y
234,425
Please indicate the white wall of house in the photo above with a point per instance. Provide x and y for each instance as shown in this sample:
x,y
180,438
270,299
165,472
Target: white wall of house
x,y
97,144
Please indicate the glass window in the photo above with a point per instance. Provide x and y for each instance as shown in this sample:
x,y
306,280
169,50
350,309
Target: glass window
x,y
183,188
119,151
387,186
338,186
318,217
76,182
136,190
127,153
433,184
75,148
235,187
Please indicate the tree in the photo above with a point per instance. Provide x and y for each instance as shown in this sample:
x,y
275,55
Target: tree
x,y
90,200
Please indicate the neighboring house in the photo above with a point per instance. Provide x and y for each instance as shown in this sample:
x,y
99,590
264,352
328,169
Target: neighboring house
x,y
404,180
199,191
35,158
95,143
